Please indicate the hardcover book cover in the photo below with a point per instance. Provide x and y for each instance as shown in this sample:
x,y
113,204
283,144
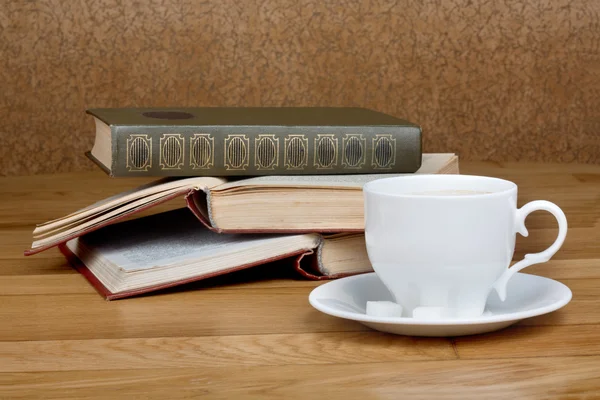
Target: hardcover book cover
x,y
239,141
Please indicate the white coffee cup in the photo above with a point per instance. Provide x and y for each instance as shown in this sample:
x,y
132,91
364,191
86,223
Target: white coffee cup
x,y
448,240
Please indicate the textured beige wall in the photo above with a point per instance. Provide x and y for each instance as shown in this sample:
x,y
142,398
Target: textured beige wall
x,y
491,80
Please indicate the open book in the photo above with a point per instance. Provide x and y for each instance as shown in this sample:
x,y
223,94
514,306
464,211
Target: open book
x,y
172,248
275,204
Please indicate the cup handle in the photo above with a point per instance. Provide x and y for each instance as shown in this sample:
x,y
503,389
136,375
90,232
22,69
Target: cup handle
x,y
535,258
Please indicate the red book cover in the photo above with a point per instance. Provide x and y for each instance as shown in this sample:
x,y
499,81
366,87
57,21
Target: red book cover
x,y
303,262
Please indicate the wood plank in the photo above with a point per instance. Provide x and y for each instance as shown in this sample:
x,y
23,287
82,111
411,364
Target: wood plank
x,y
52,264
14,241
528,341
44,284
577,312
246,350
567,269
580,243
60,278
584,289
583,308
192,313
74,283
209,312
254,335
545,377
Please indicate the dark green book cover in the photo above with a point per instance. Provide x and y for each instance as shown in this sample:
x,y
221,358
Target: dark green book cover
x,y
239,141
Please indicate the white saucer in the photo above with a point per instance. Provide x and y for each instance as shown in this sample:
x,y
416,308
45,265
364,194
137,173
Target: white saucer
x,y
527,296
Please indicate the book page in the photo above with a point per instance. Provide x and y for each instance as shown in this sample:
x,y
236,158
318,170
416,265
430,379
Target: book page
x,y
43,237
432,163
163,240
141,192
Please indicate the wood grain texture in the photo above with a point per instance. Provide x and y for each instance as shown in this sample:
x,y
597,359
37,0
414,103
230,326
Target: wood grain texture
x,y
528,341
529,379
72,316
254,335
491,80
220,351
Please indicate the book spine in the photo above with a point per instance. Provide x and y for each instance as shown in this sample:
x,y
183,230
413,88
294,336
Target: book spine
x,y
268,150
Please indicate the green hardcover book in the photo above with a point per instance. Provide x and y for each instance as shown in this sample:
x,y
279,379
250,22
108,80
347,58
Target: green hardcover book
x,y
238,141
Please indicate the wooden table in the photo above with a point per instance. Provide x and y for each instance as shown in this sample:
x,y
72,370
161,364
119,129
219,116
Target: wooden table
x,y
254,334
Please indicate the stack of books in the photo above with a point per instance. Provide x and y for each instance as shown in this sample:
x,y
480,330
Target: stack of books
x,y
256,185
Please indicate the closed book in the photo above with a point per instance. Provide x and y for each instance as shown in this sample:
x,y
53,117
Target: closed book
x,y
252,141
269,204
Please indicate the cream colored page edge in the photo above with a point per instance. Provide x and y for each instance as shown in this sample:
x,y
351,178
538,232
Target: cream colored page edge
x,y
432,163
281,247
94,222
323,267
101,150
99,217
151,189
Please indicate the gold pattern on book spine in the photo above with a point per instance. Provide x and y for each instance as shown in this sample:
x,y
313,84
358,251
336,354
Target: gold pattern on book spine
x,y
172,146
296,152
202,151
266,152
384,151
326,151
354,153
237,152
139,153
